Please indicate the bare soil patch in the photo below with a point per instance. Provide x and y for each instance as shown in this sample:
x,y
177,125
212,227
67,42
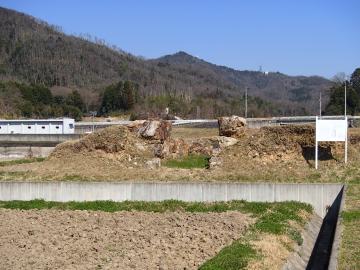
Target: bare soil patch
x,y
52,239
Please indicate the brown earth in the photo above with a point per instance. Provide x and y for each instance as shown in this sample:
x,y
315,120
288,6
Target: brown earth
x,y
279,154
115,143
53,239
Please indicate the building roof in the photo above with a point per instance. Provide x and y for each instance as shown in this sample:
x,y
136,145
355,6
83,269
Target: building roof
x,y
33,120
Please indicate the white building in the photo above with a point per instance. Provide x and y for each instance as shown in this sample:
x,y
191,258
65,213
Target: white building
x,y
38,126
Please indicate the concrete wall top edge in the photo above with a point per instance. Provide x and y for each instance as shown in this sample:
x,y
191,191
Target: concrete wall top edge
x,y
172,182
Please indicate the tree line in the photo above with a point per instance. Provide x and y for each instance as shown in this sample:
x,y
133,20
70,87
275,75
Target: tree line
x,y
37,101
337,96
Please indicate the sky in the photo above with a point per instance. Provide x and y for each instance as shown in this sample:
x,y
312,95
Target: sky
x,y
295,37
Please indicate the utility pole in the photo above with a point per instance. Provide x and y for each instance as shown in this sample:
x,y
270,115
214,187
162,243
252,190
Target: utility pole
x,y
345,99
320,104
246,109
93,114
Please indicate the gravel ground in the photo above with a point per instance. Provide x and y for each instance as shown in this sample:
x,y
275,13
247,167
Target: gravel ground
x,y
53,239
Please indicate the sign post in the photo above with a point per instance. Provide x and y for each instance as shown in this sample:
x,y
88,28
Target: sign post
x,y
328,130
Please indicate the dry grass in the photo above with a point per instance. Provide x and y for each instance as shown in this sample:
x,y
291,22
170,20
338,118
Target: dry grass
x,y
274,250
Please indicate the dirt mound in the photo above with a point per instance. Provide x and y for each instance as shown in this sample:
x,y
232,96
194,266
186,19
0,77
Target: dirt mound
x,y
281,138
111,140
290,136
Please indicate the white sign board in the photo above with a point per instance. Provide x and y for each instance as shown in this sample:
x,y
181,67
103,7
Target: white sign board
x,y
330,131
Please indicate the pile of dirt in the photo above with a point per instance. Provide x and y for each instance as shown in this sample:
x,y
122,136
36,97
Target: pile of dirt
x,y
279,139
282,142
112,140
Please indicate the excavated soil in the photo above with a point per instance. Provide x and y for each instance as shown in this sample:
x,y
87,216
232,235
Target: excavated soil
x,y
113,143
268,154
53,239
291,142
279,139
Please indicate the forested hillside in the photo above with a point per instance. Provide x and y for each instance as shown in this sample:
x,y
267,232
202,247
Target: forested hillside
x,y
35,53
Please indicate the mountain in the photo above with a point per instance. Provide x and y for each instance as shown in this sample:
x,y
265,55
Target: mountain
x,y
32,51
297,91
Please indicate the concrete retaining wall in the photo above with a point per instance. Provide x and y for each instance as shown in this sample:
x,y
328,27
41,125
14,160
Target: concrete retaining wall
x,y
35,139
318,195
15,152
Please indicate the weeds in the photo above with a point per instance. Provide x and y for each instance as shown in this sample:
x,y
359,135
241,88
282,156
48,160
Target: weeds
x,y
21,161
236,256
351,216
188,162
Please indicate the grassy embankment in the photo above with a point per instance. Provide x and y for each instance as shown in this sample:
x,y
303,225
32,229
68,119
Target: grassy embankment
x,y
350,243
271,218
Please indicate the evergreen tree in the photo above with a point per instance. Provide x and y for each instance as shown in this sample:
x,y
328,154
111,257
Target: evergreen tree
x,y
128,95
112,98
336,103
355,80
118,97
74,99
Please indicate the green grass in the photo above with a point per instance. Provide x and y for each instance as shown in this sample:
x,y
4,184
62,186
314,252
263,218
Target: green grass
x,y
350,216
20,161
350,242
169,205
272,218
188,162
233,257
14,175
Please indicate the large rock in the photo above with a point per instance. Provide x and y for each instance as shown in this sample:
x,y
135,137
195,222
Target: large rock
x,y
232,126
152,130
214,162
223,142
134,126
172,148
153,163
